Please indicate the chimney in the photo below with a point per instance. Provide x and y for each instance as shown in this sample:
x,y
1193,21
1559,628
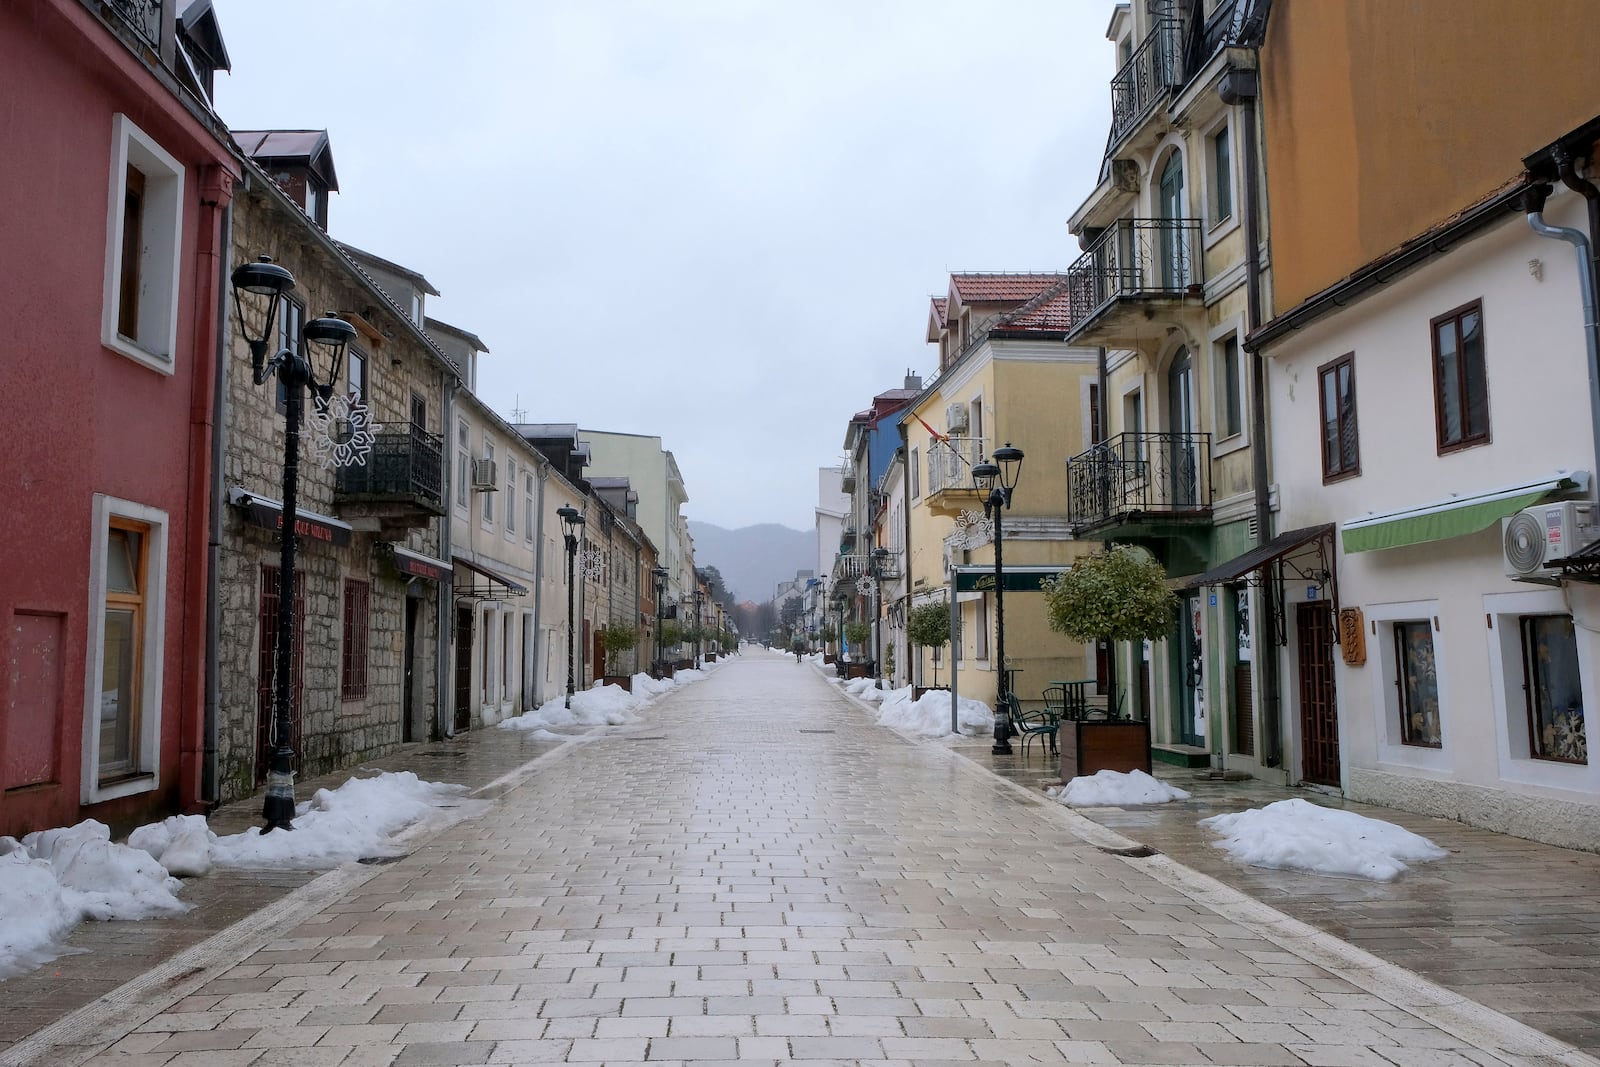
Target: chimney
x,y
913,381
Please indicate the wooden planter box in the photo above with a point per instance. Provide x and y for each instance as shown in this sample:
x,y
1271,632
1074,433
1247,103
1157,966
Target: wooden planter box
x,y
624,680
1111,745
857,670
827,657
711,657
918,690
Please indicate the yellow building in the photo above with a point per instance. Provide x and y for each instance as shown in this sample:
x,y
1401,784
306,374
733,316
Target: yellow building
x,y
1169,283
1006,376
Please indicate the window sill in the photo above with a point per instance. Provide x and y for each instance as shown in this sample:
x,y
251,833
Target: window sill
x,y
125,785
1217,231
124,346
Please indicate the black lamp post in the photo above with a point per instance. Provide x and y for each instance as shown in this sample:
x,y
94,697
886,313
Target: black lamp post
x,y
257,288
880,562
573,523
996,483
660,574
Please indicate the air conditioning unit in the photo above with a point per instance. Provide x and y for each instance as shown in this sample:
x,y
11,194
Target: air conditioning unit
x,y
1535,538
485,477
955,418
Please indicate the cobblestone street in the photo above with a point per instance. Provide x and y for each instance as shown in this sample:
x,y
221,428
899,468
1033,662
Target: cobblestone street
x,y
757,873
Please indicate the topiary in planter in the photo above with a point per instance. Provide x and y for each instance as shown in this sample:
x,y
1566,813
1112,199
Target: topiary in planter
x,y
928,626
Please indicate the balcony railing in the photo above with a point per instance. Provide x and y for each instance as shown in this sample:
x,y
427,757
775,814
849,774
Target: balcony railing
x,y
950,462
1132,474
401,465
1145,79
143,15
850,568
1134,258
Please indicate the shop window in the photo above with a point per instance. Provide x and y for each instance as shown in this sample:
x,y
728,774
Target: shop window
x,y
1553,690
1417,684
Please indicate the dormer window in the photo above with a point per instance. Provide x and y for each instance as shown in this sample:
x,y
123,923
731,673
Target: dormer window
x,y
416,307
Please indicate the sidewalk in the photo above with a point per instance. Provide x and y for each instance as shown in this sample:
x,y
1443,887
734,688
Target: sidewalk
x,y
106,955
1511,924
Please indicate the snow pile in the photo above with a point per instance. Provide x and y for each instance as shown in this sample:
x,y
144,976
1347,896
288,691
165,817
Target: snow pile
x,y
1116,789
1299,835
863,688
602,705
54,879
930,716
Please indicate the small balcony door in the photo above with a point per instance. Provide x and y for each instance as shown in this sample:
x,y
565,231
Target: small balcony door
x,y
1174,269
1184,478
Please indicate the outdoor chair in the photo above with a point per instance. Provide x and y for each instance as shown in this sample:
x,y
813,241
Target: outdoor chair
x,y
1031,724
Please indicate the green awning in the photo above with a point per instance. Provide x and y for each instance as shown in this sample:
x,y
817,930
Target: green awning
x,y
1020,579
1450,518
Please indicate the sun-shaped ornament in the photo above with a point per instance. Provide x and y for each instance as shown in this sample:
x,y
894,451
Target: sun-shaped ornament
x,y
342,432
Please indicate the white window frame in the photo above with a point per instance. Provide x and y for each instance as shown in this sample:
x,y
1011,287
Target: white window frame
x,y
486,513
1516,763
1222,445
463,467
159,273
528,500
1386,699
152,644
1216,229
510,530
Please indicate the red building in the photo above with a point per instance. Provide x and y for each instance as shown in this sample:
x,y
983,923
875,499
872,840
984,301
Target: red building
x,y
117,178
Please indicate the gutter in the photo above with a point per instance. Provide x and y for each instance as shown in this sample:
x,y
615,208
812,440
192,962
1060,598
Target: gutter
x,y
444,721
210,792
1534,204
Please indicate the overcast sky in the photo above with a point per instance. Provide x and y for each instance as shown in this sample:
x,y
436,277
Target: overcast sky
x,y
716,222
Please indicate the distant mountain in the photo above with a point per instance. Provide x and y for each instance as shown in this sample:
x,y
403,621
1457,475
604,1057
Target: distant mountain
x,y
754,559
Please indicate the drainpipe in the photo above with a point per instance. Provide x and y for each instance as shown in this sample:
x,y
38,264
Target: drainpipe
x,y
209,792
1534,203
443,721
1242,87
538,585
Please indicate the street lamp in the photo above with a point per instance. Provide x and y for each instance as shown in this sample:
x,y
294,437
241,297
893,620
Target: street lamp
x,y
257,290
880,563
573,523
995,483
660,574
699,611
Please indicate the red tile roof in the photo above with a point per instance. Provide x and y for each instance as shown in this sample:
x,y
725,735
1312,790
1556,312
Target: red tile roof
x,y
1049,312
940,307
1000,288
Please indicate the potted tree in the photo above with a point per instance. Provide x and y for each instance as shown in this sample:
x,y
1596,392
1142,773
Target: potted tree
x,y
617,638
671,634
1119,595
928,626
858,633
829,635
689,635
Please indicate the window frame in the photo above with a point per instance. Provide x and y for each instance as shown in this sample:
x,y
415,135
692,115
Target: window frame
x,y
1221,165
356,381
1467,440
463,467
486,513
144,773
528,501
1332,368
158,272
510,531
1230,381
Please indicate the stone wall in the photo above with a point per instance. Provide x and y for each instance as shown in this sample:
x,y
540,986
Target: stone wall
x,y
335,733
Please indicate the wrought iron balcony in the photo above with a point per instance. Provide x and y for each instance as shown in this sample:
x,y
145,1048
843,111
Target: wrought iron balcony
x,y
143,15
1134,259
1140,477
403,468
1145,79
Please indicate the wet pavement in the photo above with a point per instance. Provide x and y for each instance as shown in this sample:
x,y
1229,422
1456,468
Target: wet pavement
x,y
758,873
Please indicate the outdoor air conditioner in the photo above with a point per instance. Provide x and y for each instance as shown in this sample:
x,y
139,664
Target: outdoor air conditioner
x,y
955,418
485,478
1535,538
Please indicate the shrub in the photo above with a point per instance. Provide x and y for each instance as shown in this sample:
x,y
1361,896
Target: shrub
x,y
1120,595
616,638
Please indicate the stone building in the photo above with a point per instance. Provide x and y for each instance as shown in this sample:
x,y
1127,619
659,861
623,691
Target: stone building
x,y
371,590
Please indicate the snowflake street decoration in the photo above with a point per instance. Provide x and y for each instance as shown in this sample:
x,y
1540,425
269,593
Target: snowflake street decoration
x,y
342,432
593,563
974,527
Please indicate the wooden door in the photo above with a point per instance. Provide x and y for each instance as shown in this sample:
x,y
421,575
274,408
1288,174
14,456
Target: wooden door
x,y
463,668
1319,717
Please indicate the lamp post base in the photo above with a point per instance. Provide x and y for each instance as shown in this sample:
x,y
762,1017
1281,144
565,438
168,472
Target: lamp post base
x,y
1002,736
277,809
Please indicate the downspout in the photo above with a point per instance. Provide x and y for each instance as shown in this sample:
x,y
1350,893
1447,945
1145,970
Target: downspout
x,y
209,792
444,721
1242,87
1534,202
538,585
